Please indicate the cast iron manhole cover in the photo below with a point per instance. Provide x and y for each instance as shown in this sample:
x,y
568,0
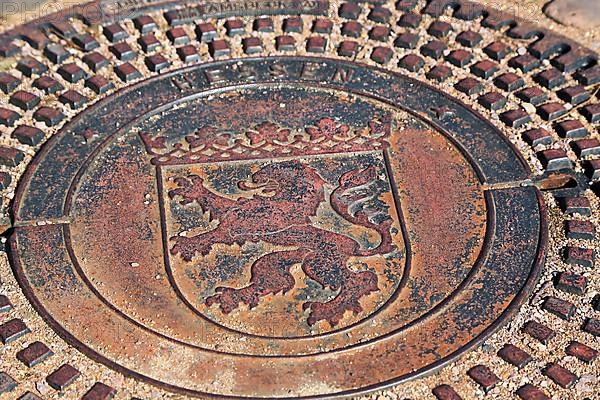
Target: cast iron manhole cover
x,y
272,199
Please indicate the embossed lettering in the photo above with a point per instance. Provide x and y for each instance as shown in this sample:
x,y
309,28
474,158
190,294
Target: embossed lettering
x,y
215,76
342,75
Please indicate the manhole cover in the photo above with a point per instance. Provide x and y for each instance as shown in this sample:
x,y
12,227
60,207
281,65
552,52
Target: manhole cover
x,y
283,199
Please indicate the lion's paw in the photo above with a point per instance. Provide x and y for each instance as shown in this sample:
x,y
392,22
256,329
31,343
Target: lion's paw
x,y
187,247
229,298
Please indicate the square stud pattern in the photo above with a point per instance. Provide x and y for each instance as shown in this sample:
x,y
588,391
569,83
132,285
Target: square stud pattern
x,y
589,76
525,63
469,86
574,94
551,111
148,43
469,38
48,85
29,66
582,352
592,326
219,48
95,61
24,100
406,41
571,283
73,99
515,118
509,81
316,44
252,45
188,53
497,50
293,24
286,43
379,14
10,156
8,117
538,331
127,72
28,135
99,84
206,32
533,95
560,375
380,33
591,112
410,20
537,136
115,33
550,78
530,392
586,147
322,25
62,377
434,49
411,62
583,230
263,24
561,308
86,42
50,116
144,24
493,101
13,330
382,55
178,36
352,29
7,383
514,355
123,51
34,354
460,58
439,29
555,159
99,391
579,256
350,10
571,129
484,69
439,73
576,205
445,392
592,169
8,82
156,62
348,48
235,27
483,376
71,72
5,304
56,53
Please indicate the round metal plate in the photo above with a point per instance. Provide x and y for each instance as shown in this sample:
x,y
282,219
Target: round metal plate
x,y
248,203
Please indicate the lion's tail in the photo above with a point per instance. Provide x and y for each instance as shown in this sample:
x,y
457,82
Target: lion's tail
x,y
357,201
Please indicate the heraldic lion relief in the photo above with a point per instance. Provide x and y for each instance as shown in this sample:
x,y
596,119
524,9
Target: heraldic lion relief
x,y
298,225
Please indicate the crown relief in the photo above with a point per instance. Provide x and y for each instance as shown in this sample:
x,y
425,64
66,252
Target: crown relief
x,y
209,144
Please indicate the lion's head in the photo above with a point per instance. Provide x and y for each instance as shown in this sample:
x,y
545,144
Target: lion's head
x,y
286,181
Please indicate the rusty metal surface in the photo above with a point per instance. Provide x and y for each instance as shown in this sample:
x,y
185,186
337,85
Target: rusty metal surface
x,y
291,224
245,230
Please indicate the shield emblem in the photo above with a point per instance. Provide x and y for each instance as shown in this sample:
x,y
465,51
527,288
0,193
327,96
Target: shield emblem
x,y
307,240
